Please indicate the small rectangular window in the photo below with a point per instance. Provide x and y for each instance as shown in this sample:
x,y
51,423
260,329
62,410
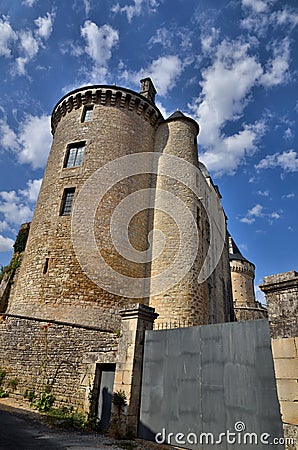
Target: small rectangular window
x,y
87,114
67,199
74,155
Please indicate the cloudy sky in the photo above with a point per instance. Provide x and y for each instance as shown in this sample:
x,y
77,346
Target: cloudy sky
x,y
231,65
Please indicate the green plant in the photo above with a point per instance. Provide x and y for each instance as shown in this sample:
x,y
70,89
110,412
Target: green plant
x,y
117,333
119,400
30,395
68,418
21,240
3,270
3,394
14,265
2,375
44,402
13,383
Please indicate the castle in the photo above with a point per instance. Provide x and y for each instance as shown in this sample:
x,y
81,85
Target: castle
x,y
60,322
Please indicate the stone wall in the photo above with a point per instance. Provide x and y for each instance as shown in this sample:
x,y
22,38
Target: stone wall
x,y
282,299
37,353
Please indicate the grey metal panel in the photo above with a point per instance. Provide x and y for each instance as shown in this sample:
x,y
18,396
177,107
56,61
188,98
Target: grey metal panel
x,y
205,379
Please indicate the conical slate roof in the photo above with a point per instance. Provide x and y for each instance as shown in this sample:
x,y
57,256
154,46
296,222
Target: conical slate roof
x,y
176,115
234,252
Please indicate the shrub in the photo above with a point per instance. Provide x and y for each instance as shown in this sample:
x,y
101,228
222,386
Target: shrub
x,y
44,402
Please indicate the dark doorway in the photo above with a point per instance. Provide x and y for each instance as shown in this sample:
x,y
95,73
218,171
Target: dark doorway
x,y
104,379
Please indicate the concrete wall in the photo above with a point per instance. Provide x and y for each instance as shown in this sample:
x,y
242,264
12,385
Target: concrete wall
x,y
205,380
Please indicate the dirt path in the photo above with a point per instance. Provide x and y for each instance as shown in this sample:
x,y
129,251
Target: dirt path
x,y
24,429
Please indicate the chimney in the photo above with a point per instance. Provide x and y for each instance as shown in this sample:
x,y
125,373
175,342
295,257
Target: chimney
x,y
147,89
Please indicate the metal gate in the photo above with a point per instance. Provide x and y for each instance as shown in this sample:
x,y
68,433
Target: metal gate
x,y
211,386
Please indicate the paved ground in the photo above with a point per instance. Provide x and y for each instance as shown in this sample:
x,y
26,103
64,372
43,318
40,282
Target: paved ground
x,y
23,429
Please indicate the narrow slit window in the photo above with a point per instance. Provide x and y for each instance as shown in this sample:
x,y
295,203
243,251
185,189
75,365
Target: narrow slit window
x,y
46,266
74,155
67,200
87,114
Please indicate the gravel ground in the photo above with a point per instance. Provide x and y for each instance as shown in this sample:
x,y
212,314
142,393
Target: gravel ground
x,y
42,433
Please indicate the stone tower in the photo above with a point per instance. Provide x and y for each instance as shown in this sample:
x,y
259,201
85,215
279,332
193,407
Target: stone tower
x,y
92,126
61,329
243,274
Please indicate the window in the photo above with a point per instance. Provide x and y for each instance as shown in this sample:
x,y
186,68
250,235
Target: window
x,y
87,114
74,155
46,266
67,200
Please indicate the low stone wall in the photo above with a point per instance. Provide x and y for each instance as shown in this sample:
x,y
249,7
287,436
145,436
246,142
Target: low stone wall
x,y
36,353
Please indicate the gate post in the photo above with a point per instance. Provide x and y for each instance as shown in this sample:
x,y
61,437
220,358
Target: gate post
x,y
135,319
282,301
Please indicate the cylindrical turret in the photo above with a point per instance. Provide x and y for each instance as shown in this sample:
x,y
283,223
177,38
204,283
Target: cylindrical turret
x,y
243,275
91,126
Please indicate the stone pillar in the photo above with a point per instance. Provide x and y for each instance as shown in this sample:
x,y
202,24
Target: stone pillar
x,y
282,301
128,376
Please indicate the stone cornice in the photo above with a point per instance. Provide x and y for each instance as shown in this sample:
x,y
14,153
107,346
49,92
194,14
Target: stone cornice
x,y
106,96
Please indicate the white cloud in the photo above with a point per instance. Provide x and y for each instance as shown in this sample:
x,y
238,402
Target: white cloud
x,y
162,109
288,134
29,47
32,191
164,71
258,22
3,225
29,3
226,86
6,244
163,36
14,210
208,39
136,9
257,6
35,140
45,25
17,207
263,193
290,195
248,220
7,37
100,41
32,141
87,7
277,67
285,16
24,44
257,211
288,161
8,138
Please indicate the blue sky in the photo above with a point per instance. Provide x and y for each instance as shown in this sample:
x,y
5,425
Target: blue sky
x,y
231,65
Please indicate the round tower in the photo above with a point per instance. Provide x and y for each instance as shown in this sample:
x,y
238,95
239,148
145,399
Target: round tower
x,y
184,303
243,274
91,126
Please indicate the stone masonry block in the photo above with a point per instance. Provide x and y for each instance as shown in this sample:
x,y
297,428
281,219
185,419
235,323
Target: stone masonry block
x,y
284,348
286,368
287,390
289,411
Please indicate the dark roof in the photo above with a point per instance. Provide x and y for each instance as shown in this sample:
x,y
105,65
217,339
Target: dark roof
x,y
176,115
234,252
